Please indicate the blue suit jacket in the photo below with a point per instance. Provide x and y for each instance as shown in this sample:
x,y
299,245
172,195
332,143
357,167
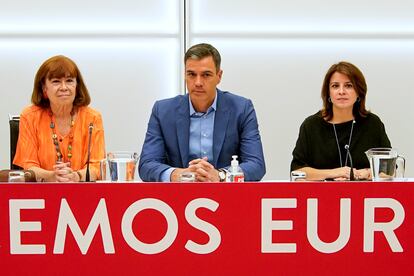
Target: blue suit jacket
x,y
235,133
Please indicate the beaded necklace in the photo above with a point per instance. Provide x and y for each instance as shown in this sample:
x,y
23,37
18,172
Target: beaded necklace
x,y
59,155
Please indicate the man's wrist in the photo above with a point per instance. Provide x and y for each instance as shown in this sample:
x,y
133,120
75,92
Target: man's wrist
x,y
174,177
166,175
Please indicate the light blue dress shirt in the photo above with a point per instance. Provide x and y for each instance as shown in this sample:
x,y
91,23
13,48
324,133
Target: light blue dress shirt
x,y
201,135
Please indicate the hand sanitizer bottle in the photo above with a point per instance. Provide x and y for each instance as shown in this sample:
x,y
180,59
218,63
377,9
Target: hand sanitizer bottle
x,y
235,172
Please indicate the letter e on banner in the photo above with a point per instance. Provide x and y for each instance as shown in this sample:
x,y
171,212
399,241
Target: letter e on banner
x,y
17,226
268,225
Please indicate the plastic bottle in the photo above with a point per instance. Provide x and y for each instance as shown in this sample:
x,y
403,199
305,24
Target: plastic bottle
x,y
235,172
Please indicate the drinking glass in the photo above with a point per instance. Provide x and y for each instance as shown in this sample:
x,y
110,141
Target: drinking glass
x,y
16,176
187,177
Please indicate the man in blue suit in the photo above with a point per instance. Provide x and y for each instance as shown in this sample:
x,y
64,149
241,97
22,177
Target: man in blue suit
x,y
200,131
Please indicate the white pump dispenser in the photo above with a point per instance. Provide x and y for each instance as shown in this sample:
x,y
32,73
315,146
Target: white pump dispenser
x,y
235,172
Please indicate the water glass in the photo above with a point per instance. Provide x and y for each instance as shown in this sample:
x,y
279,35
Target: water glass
x,y
187,177
122,165
297,176
16,176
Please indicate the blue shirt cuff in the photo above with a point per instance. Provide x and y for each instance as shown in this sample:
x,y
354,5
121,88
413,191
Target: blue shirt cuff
x,y
166,175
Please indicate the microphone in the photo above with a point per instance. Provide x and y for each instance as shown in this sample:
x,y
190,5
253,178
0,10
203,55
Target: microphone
x,y
351,173
87,175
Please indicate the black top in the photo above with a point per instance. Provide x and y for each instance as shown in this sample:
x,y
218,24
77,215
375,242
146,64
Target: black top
x,y
317,147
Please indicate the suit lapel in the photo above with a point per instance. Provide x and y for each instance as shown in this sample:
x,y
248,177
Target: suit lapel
x,y
221,120
183,128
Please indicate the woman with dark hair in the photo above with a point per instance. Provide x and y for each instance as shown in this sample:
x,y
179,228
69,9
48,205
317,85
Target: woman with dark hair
x,y
54,131
343,124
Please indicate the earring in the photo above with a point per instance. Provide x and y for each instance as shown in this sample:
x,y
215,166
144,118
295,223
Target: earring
x,y
329,99
358,99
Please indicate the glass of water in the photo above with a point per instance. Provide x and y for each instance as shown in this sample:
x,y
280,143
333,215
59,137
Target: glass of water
x,y
187,177
16,176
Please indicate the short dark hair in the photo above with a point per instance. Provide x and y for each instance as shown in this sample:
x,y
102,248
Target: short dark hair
x,y
202,50
357,80
59,67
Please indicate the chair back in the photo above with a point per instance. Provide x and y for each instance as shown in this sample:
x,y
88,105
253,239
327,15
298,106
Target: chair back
x,y
14,121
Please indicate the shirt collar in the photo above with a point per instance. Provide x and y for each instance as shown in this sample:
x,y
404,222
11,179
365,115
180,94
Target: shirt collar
x,y
212,107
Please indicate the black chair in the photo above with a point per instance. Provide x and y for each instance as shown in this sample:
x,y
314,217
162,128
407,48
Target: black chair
x,y
14,121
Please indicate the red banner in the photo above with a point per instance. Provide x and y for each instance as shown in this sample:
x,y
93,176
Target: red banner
x,y
302,228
